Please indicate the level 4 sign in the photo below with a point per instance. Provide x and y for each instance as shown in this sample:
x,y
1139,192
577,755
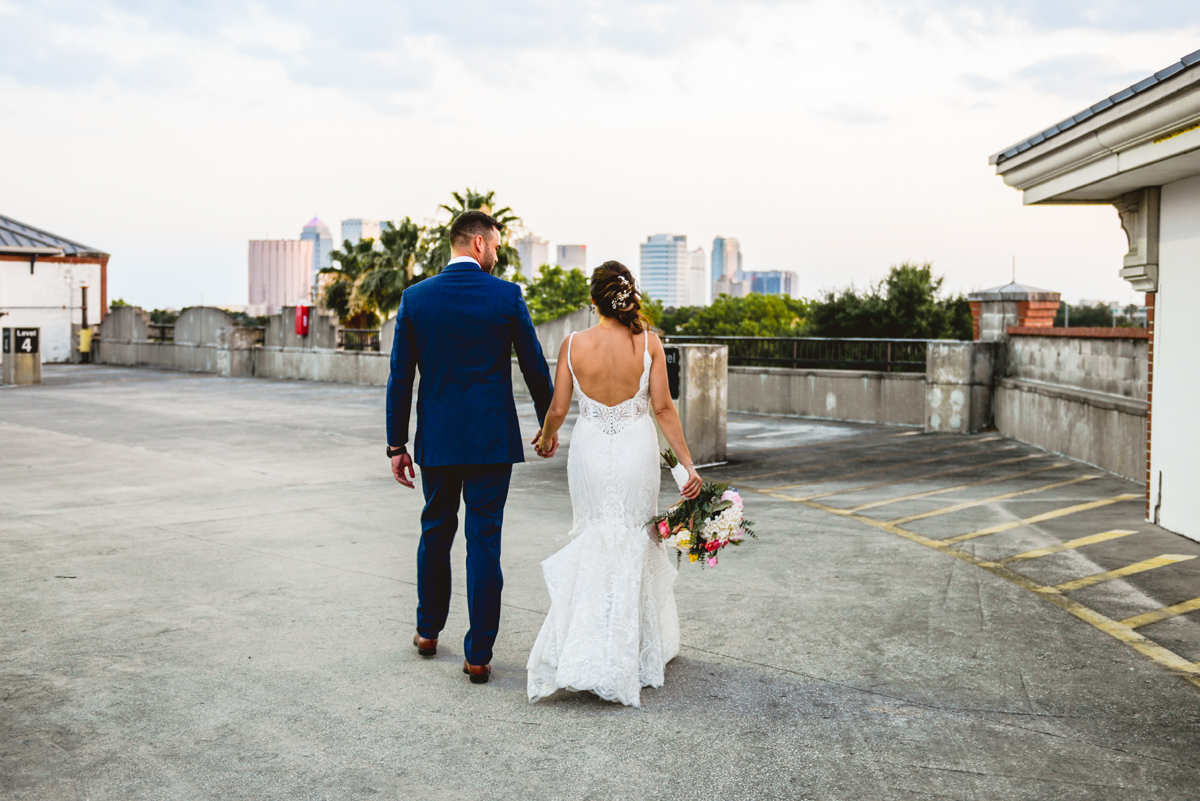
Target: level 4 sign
x,y
25,340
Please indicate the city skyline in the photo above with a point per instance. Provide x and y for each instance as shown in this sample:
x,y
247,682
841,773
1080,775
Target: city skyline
x,y
881,161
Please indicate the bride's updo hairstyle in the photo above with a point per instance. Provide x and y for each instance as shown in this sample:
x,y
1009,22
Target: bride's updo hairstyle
x,y
616,295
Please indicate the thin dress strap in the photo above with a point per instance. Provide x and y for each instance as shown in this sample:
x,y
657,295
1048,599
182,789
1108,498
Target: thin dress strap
x,y
571,367
646,358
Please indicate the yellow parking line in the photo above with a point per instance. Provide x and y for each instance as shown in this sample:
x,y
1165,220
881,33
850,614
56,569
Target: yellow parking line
x,y
1151,650
907,479
1029,521
968,504
1165,613
1065,546
1121,572
928,493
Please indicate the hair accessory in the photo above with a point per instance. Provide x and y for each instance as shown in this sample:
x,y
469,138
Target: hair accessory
x,y
619,300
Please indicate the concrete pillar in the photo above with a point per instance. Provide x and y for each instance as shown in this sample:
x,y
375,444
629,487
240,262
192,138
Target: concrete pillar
x,y
22,356
959,382
994,311
698,376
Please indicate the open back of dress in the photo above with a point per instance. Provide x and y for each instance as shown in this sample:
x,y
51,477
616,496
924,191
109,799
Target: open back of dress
x,y
612,624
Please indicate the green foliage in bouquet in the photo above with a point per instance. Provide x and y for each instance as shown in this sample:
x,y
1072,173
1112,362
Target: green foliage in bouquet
x,y
692,515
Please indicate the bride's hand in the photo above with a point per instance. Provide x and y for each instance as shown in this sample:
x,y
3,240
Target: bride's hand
x,y
692,488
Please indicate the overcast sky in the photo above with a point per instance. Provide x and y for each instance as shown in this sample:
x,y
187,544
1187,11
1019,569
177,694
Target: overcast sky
x,y
832,138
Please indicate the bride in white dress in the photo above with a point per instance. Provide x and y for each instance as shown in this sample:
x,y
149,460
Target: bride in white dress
x,y
612,625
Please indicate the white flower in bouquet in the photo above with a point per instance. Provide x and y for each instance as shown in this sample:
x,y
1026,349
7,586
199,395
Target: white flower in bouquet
x,y
725,525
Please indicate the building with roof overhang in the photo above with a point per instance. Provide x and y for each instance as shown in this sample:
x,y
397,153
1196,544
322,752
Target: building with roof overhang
x,y
50,282
1139,151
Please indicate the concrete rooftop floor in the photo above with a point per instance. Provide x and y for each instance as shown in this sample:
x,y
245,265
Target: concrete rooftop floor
x,y
208,590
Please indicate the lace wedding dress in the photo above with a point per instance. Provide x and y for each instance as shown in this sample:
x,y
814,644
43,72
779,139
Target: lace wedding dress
x,y
612,625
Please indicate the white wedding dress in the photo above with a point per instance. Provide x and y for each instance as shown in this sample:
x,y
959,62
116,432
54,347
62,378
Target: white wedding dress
x,y
612,625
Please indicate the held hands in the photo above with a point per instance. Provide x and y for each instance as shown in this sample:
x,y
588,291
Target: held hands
x,y
546,448
400,463
691,489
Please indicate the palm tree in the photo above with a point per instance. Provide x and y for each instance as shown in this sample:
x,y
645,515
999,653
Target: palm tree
x,y
436,247
353,261
379,287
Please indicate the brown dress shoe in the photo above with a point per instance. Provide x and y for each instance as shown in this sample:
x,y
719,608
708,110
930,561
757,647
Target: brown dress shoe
x,y
477,673
425,646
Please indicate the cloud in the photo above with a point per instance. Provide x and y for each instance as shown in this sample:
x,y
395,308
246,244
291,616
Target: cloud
x,y
849,115
979,83
1076,76
385,46
1119,16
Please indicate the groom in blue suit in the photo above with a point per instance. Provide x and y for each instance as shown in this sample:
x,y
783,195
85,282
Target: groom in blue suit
x,y
460,328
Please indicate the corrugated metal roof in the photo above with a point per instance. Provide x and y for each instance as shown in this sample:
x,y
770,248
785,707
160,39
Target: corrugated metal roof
x,y
17,237
1184,63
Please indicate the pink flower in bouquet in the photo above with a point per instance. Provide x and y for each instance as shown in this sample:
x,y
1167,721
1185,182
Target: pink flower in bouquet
x,y
737,535
732,496
663,529
712,561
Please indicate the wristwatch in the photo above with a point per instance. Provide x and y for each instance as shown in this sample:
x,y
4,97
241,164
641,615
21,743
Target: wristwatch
x,y
398,451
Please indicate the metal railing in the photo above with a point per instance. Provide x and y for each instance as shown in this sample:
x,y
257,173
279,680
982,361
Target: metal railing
x,y
890,355
358,339
160,332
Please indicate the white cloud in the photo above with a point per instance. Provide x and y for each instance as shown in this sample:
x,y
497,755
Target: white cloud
x,y
835,138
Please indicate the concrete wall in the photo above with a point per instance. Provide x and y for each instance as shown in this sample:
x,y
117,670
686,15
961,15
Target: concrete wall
x,y
1112,366
1175,434
125,324
959,380
703,400
1083,397
860,396
1106,430
348,367
551,335
281,331
207,341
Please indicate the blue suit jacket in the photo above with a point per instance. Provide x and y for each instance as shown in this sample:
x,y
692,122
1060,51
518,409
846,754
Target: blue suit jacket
x,y
460,328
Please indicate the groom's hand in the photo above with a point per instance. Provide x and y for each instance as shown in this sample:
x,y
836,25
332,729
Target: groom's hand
x,y
400,463
537,438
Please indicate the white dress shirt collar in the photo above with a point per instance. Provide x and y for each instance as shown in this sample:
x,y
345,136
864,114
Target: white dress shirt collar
x,y
458,259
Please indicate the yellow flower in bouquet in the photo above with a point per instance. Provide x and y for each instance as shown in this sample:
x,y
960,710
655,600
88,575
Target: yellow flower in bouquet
x,y
692,557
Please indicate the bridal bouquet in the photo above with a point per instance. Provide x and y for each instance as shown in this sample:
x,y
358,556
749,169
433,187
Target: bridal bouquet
x,y
702,526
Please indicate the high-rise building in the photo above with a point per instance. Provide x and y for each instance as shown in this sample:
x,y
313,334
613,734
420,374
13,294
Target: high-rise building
x,y
570,257
726,265
533,252
665,268
726,258
774,282
355,230
280,272
317,232
698,283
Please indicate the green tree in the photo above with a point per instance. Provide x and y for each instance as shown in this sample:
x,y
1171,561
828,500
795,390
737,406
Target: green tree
x,y
392,270
555,292
435,251
353,262
1096,316
905,305
752,316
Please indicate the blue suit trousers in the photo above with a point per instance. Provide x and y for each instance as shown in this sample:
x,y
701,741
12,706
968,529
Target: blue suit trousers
x,y
484,489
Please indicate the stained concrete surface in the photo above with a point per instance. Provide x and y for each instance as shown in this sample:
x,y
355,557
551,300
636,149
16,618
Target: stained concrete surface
x,y
208,592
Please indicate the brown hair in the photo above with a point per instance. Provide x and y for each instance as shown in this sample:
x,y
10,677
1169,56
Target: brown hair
x,y
616,295
471,224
